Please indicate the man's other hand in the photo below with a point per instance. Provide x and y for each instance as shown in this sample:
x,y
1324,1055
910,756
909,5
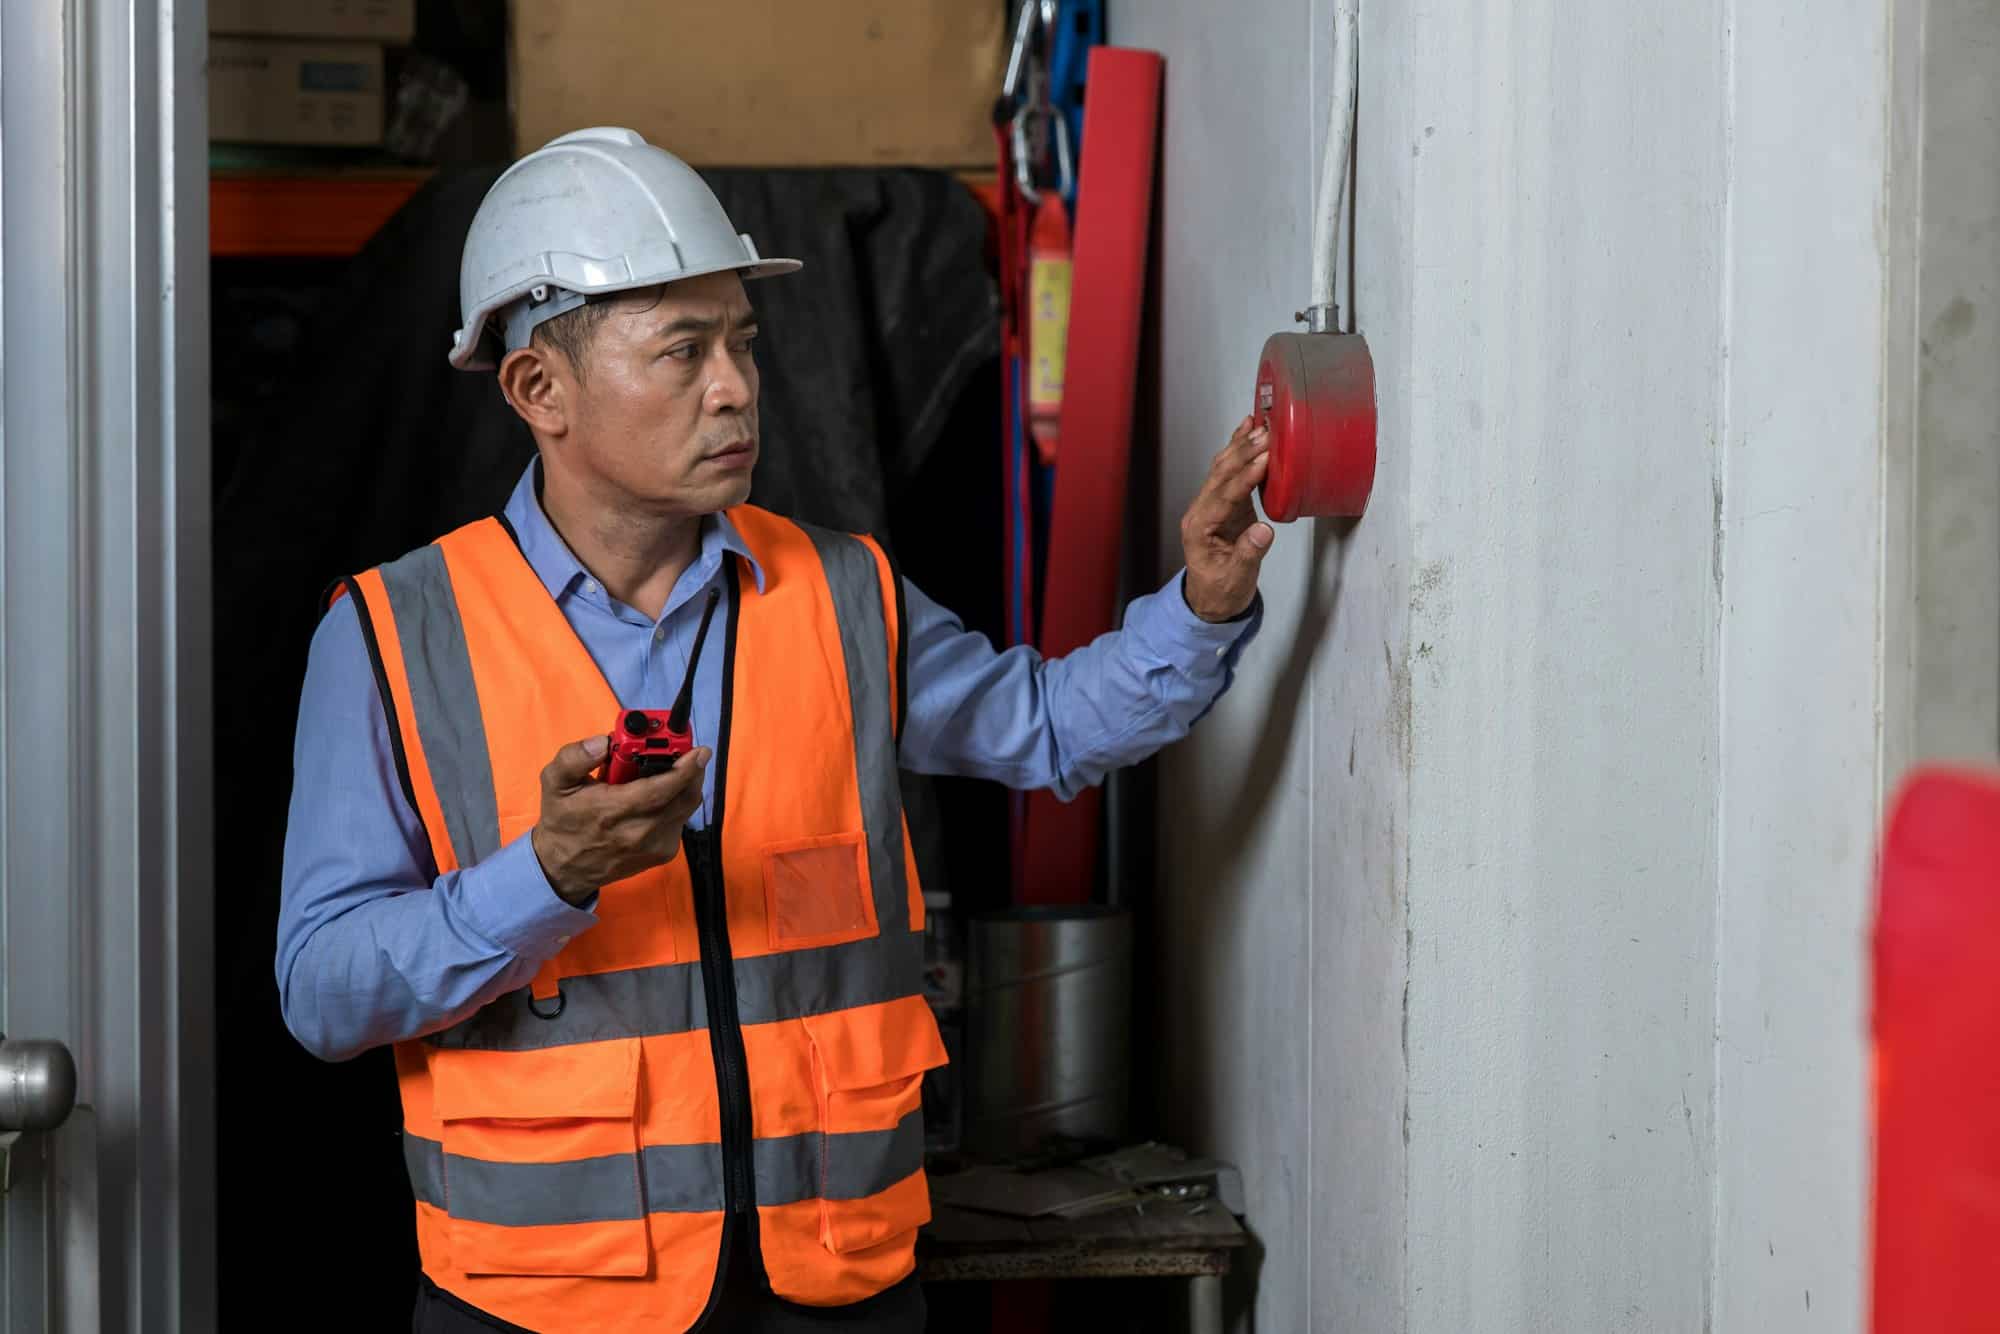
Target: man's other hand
x,y
1221,535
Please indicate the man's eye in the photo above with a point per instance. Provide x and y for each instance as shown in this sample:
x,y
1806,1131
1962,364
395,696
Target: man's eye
x,y
743,343
685,352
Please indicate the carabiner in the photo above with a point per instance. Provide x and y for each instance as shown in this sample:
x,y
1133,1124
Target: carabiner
x,y
1024,171
1017,58
1065,162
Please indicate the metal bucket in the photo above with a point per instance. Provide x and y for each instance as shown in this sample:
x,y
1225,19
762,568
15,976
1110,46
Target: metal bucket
x,y
1049,1009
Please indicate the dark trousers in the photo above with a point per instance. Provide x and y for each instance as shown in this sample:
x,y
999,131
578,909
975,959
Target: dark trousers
x,y
746,1306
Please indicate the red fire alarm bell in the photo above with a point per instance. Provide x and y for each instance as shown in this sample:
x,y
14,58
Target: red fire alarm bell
x,y
1316,392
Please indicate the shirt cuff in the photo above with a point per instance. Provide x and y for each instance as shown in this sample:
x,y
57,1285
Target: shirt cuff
x,y
1196,647
508,899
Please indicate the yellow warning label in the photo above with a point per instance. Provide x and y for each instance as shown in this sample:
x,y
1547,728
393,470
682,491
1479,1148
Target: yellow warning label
x,y
1048,330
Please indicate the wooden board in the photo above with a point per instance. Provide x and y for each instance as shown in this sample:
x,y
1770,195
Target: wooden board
x,y
766,83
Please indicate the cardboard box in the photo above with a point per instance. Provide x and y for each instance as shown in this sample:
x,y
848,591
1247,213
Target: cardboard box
x,y
769,83
392,22
277,92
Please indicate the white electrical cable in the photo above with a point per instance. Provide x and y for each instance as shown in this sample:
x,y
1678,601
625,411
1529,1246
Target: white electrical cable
x,y
1321,316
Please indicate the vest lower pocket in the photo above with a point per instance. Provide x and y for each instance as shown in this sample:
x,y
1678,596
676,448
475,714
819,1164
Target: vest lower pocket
x,y
816,891
868,1069
848,1227
542,1172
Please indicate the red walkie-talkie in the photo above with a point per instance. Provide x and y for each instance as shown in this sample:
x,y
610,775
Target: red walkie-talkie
x,y
649,741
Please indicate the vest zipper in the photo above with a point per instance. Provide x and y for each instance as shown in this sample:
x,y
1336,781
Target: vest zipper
x,y
703,850
725,1028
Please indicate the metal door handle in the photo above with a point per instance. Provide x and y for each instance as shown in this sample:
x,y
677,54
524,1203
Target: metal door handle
x,y
37,1084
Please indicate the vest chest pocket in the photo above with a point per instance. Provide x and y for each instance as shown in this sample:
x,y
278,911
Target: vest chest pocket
x,y
542,1172
868,1068
816,891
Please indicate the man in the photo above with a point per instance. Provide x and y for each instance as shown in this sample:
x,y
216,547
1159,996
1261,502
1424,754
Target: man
x,y
661,1042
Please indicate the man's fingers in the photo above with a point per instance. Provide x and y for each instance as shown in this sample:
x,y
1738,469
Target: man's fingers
x,y
682,810
653,794
1235,489
1223,510
573,764
1242,430
1248,441
1230,456
1241,456
1255,542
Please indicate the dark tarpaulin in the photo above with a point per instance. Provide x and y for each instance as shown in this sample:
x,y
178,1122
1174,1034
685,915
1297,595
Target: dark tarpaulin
x,y
381,445
376,446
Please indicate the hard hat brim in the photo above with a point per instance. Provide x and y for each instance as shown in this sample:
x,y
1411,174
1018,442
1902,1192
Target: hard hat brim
x,y
468,352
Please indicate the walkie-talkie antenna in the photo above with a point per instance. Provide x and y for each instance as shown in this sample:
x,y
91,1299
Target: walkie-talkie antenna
x,y
677,721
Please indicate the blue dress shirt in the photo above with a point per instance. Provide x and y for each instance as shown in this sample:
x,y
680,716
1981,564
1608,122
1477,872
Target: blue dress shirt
x,y
374,946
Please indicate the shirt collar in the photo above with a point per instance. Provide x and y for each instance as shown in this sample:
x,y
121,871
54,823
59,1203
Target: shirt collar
x,y
557,566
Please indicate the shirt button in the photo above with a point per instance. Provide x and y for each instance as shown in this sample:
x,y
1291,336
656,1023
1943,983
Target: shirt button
x,y
1222,652
561,941
590,586
659,633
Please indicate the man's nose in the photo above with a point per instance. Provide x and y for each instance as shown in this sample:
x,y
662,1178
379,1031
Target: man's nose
x,y
729,388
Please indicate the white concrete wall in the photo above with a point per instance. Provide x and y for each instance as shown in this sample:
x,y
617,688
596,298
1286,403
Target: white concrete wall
x,y
1957,635
1563,370
1806,297
1296,782
1515,898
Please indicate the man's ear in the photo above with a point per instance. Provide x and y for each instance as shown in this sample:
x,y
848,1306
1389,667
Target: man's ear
x,y
537,389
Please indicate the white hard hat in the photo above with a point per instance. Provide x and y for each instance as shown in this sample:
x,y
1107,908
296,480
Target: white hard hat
x,y
595,211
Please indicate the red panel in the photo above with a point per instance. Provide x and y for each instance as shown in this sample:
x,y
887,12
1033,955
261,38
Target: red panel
x,y
1121,124
1937,1059
268,214
987,191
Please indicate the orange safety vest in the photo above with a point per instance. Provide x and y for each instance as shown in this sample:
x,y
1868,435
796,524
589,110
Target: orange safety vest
x,y
570,1144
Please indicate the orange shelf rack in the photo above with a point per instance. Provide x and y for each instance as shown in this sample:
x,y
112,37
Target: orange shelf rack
x,y
276,213
265,213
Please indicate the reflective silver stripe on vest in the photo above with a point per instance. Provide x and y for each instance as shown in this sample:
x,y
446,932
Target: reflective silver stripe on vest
x,y
794,984
660,1178
583,1190
596,1007
856,583
857,1166
668,998
446,703
424,1159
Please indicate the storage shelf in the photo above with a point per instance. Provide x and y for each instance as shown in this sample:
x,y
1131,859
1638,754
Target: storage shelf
x,y
272,213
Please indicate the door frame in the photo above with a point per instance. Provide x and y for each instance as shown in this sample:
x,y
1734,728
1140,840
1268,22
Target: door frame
x,y
106,829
